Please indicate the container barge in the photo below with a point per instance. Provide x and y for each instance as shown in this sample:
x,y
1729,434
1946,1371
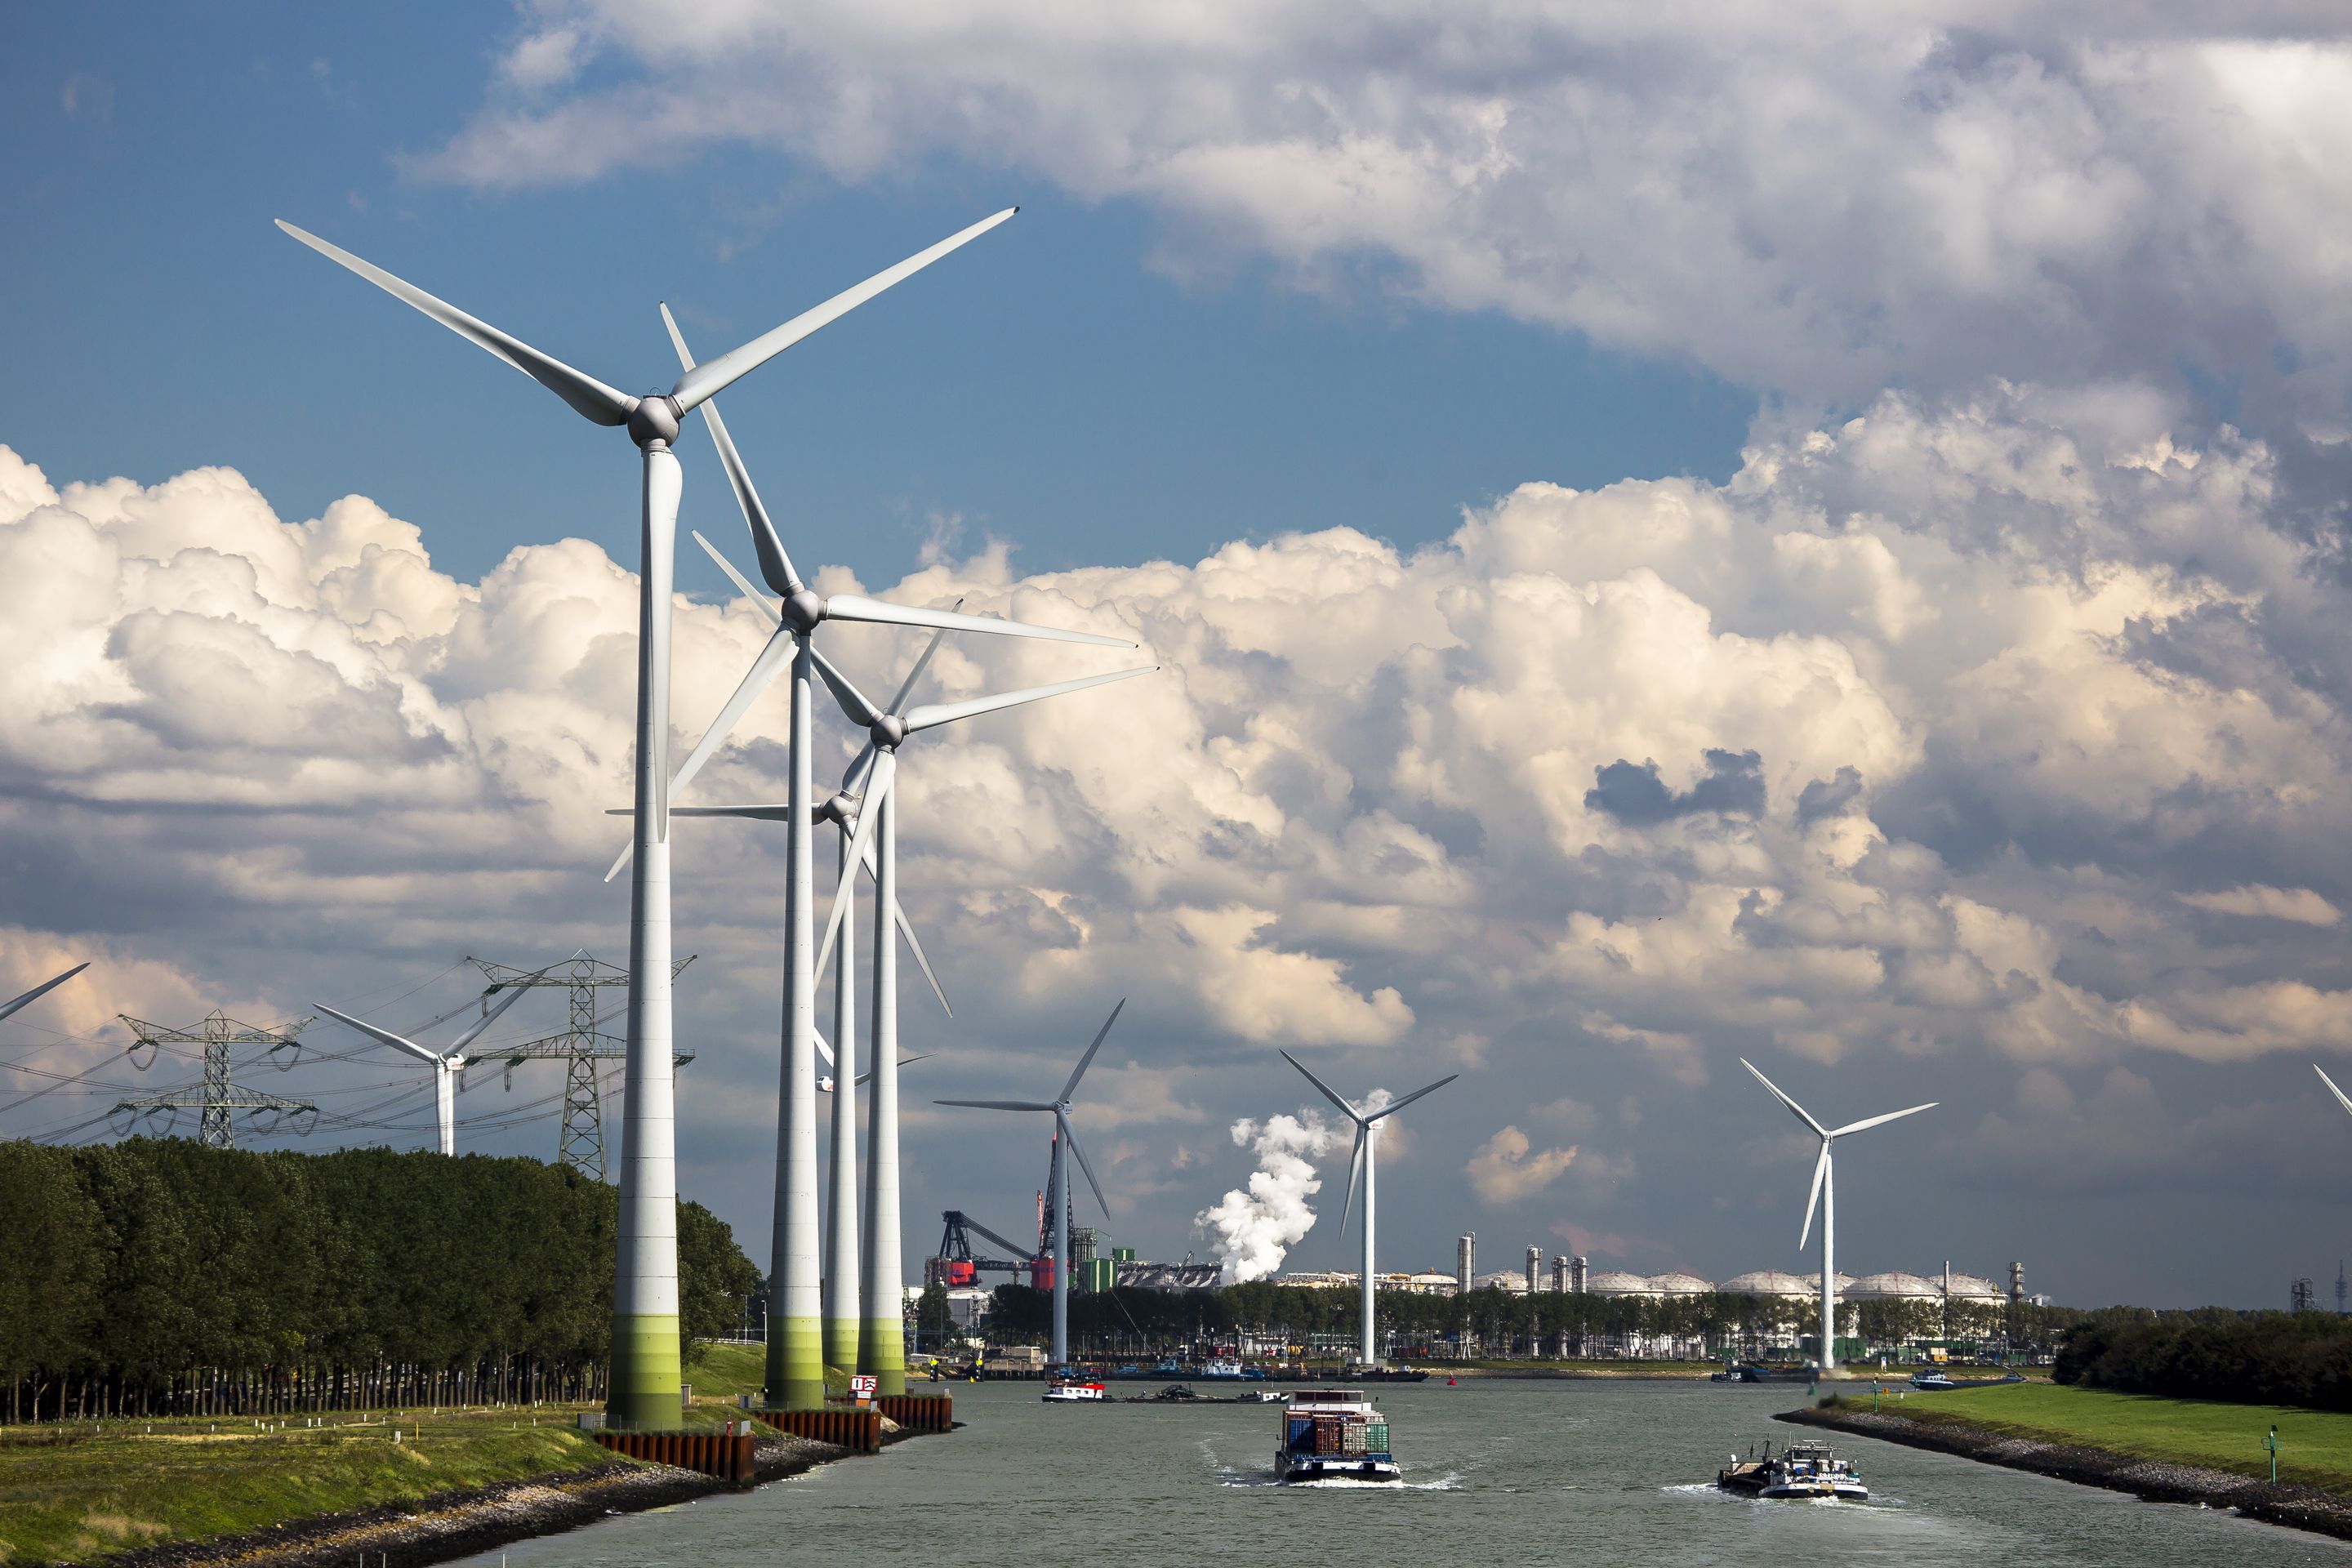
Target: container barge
x,y
1334,1434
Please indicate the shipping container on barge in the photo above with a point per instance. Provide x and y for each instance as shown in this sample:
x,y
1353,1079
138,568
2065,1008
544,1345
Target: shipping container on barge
x,y
1334,1434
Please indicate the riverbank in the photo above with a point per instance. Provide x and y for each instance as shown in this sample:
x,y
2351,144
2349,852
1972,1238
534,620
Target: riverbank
x,y
428,1488
2160,1450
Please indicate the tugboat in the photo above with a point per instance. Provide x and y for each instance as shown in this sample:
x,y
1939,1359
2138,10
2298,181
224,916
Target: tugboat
x,y
1806,1469
1334,1434
1070,1391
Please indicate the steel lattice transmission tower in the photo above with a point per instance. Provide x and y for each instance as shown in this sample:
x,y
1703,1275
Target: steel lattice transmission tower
x,y
217,1097
580,1143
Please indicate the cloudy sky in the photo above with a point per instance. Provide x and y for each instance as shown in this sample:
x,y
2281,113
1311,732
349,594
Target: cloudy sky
x,y
1672,536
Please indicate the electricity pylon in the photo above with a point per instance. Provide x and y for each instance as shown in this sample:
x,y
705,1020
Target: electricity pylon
x,y
217,1097
580,1145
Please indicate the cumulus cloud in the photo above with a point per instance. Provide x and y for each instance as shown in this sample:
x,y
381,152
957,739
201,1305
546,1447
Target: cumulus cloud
x,y
2298,904
1918,193
1508,1169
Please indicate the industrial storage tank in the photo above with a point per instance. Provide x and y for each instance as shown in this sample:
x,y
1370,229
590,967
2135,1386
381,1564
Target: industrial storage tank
x,y
1893,1286
1771,1282
1977,1288
1617,1282
1676,1282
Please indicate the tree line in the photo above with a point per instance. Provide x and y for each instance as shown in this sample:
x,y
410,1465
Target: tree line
x,y
2253,1358
1498,1323
159,1276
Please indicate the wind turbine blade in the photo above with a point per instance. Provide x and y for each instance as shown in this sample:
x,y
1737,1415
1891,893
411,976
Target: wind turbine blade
x,y
586,394
1881,1121
1072,1139
46,987
857,607
853,777
2330,1082
1328,1093
853,705
935,713
907,929
1355,1174
772,658
473,1030
998,1104
702,381
1086,1061
767,544
1393,1106
385,1036
907,687
778,811
738,578
1820,1169
885,767
1803,1115
825,1052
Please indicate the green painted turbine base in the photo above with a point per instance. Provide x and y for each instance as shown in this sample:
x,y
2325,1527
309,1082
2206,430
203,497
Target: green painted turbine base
x,y
882,1350
841,1344
795,1364
647,1382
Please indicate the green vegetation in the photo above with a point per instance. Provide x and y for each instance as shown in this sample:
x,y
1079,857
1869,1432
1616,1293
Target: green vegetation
x,y
2316,1446
1128,1322
721,1372
2283,1358
89,1489
157,1276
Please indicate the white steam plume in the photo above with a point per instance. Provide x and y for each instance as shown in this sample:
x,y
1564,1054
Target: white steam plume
x,y
1257,1227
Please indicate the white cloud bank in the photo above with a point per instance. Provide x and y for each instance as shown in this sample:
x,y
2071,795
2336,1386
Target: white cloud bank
x,y
1868,194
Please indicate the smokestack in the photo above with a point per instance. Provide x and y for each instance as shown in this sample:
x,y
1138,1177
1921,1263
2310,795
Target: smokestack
x,y
1580,1268
1465,1261
2017,1284
1535,1269
1559,1274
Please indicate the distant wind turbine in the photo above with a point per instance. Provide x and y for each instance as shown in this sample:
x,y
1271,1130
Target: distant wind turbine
x,y
1824,1195
1063,1139
1361,1163
448,1062
37,992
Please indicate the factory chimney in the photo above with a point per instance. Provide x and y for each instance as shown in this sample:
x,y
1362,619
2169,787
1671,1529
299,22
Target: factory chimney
x,y
2017,1284
1559,1274
1580,1268
1535,1269
1465,1259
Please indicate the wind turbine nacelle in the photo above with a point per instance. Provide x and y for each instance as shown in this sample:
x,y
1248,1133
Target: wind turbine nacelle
x,y
654,418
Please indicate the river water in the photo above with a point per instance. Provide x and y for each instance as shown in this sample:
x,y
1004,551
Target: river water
x,y
1604,1472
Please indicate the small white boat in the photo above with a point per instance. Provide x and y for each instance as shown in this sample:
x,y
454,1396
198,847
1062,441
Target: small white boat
x,y
1073,1393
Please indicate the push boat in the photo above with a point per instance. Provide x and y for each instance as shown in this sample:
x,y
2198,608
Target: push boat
x,y
1071,1391
1334,1434
1807,1469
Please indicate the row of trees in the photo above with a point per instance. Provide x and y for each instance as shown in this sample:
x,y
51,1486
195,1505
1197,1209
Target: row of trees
x,y
156,1276
2256,1358
1499,1323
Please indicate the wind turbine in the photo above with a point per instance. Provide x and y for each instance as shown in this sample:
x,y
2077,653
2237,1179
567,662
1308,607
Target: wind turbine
x,y
2330,1082
646,1374
1064,1139
1825,1195
795,1375
448,1062
1361,1163
37,992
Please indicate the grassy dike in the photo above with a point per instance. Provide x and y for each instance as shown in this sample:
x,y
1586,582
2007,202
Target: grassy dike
x,y
2166,1451
88,1489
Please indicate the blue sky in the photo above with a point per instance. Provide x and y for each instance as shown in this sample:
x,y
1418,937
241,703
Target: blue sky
x,y
1925,694
1057,387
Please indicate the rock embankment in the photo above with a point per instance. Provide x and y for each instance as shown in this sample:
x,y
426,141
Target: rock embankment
x,y
463,1524
2154,1480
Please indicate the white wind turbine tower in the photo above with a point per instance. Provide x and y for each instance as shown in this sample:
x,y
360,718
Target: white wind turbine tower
x,y
647,1378
1824,1193
448,1062
1362,1164
37,992
795,1375
1064,1139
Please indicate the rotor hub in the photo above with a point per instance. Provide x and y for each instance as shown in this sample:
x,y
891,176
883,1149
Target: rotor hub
x,y
803,610
841,808
654,418
888,731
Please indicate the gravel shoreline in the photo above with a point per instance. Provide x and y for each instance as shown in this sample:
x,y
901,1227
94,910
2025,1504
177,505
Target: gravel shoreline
x,y
461,1524
2153,1480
